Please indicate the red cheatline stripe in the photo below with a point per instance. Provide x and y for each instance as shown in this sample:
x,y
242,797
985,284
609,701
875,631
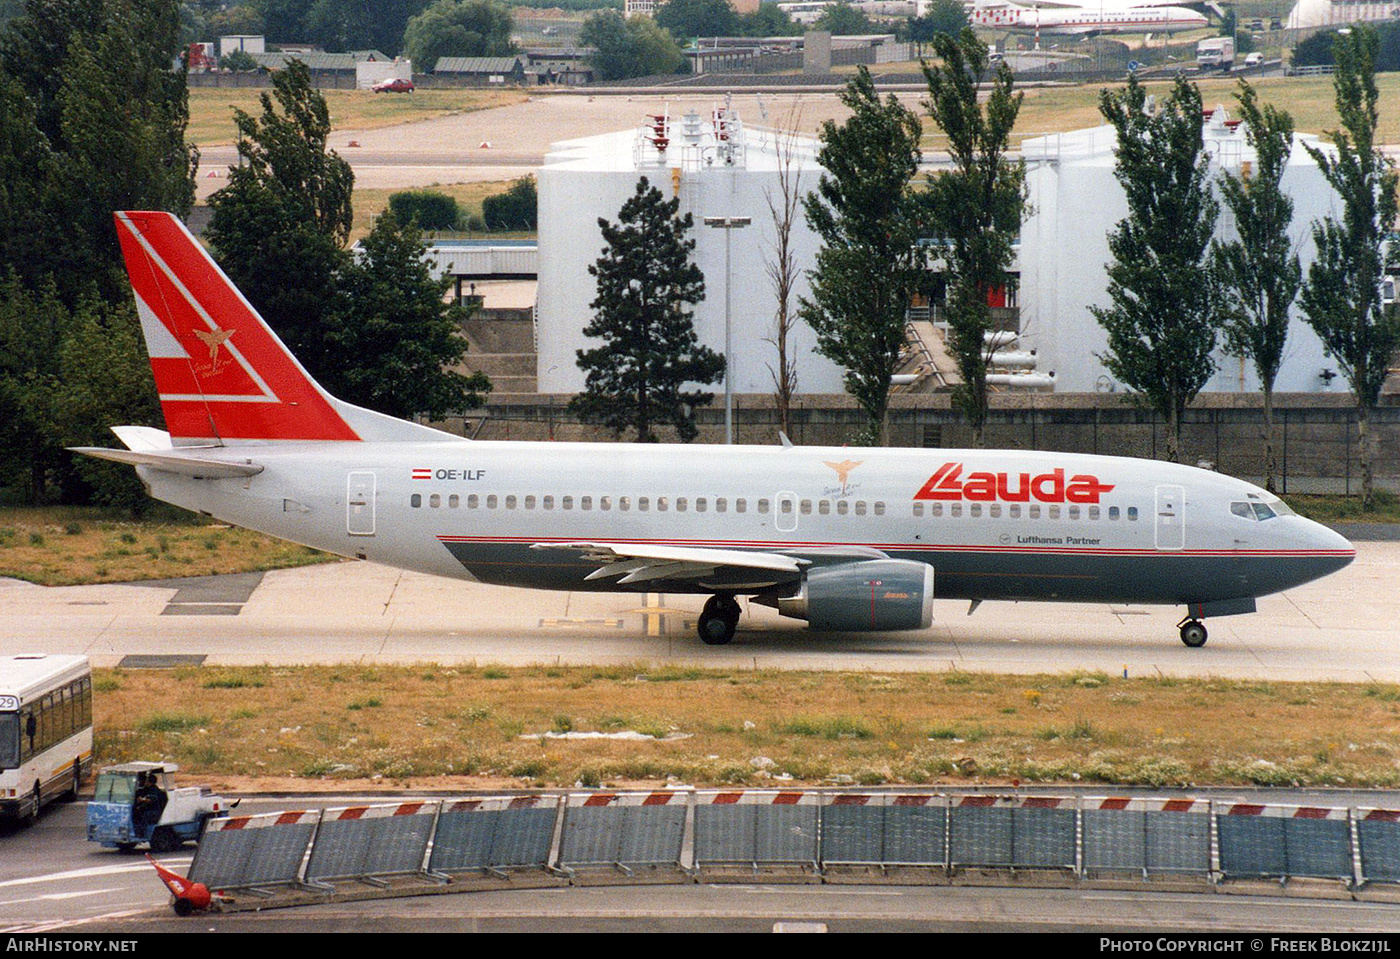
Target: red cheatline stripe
x,y
906,547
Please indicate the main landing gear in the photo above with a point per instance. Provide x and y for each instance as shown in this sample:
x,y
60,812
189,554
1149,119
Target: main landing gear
x,y
1193,632
718,620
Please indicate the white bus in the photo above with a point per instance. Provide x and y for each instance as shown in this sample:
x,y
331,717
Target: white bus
x,y
45,730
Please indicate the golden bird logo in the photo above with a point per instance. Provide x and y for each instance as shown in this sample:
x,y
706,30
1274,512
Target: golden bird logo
x,y
843,470
214,339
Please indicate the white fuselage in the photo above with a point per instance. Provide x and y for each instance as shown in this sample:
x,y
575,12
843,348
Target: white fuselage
x,y
993,524
1088,19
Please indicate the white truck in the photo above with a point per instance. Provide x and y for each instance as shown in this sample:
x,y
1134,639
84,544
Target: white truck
x,y
1216,53
136,802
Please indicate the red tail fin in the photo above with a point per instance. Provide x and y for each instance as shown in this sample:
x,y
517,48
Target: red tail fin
x,y
221,372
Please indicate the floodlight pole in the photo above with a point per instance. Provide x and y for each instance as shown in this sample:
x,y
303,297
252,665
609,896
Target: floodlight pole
x,y
728,224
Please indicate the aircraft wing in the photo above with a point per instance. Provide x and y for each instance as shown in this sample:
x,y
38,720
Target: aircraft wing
x,y
635,563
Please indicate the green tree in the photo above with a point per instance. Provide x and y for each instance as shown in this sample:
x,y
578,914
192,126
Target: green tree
x,y
515,209
280,226
842,19
341,25
1166,304
391,309
626,48
646,283
976,207
870,263
1260,270
458,28
941,16
769,20
426,209
698,18
1341,298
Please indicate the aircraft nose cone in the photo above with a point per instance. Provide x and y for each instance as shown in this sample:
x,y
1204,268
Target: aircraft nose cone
x,y
1332,549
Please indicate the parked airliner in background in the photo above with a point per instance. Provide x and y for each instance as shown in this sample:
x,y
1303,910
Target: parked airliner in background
x,y
847,539
1066,17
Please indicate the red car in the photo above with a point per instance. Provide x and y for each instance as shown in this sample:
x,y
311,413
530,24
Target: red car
x,y
393,85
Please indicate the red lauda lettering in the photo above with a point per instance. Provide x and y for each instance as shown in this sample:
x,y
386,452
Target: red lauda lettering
x,y
983,487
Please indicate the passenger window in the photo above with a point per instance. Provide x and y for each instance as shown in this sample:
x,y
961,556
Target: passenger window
x,y
994,511
567,502
529,502
740,505
1054,512
453,501
510,502
1093,512
472,501
1074,512
974,509
785,507
806,507
585,502
860,507
937,509
1113,514
1014,511
700,504
680,504
435,501
824,507
643,503
1035,512
605,503
918,509
763,506
416,500
623,503
661,504
955,509
1132,514
880,507
842,507
721,504
549,502
491,501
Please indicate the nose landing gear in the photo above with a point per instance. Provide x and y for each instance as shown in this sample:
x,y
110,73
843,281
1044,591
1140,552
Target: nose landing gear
x,y
1193,632
718,620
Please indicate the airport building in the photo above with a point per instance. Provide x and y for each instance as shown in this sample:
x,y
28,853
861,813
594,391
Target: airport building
x,y
1076,202
721,168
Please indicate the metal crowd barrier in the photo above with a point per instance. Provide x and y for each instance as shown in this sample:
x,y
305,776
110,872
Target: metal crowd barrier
x,y
675,834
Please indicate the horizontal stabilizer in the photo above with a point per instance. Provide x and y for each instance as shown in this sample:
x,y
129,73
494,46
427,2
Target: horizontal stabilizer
x,y
172,462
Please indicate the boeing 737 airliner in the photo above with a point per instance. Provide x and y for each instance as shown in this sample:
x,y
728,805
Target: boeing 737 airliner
x,y
846,539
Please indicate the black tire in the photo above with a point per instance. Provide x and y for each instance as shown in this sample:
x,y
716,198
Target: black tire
x,y
72,794
35,804
164,839
1194,634
183,907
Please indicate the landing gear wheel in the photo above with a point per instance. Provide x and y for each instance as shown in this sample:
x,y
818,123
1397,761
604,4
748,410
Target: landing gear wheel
x,y
1193,633
718,620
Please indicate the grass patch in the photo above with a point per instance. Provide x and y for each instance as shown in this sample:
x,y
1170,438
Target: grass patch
x,y
211,108
414,722
1347,509
72,545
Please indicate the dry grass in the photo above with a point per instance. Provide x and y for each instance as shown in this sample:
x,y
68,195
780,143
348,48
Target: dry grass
x,y
211,108
66,546
247,727
369,203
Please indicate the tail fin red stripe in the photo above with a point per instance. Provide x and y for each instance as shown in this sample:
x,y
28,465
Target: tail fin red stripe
x,y
221,372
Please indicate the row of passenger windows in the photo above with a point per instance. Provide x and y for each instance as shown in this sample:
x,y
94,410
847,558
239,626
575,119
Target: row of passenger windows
x,y
721,504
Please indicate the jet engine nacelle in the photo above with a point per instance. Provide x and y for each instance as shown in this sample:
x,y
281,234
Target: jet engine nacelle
x,y
874,595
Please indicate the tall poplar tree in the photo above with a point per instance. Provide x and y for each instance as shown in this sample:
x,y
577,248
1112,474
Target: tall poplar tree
x,y
870,263
1341,298
646,283
1260,270
1166,309
974,209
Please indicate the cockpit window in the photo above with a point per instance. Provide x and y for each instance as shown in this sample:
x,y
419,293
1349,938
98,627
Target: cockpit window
x,y
1255,511
1262,512
1242,509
